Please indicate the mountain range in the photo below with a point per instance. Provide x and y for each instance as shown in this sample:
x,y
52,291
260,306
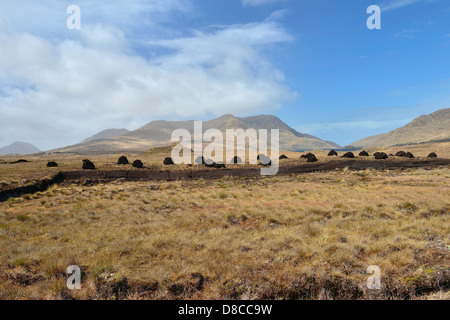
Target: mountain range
x,y
158,133
434,127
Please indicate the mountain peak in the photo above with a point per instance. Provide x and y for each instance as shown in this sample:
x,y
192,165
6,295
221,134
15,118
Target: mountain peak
x,y
19,147
226,116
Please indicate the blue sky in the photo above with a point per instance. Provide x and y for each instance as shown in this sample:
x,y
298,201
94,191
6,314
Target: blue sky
x,y
313,63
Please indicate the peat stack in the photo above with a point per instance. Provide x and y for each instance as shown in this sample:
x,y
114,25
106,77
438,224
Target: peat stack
x,y
138,164
409,155
200,160
20,161
211,164
306,156
265,160
310,157
123,160
363,154
432,155
349,155
332,153
219,165
236,160
88,165
52,164
283,156
168,161
380,156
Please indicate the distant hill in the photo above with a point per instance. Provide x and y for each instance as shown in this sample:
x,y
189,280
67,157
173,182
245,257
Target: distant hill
x,y
106,134
428,128
158,133
19,148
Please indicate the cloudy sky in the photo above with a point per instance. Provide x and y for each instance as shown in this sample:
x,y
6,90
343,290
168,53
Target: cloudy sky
x,y
313,63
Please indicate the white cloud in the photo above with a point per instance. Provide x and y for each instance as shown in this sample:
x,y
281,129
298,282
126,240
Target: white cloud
x,y
45,16
396,4
406,33
55,92
258,2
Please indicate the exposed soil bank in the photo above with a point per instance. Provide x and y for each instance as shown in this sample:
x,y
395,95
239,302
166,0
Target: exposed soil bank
x,y
39,186
207,173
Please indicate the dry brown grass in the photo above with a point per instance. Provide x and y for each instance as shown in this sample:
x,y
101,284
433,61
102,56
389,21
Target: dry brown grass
x,y
308,236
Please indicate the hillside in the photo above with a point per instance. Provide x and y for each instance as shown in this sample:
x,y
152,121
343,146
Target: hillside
x,y
107,134
19,148
426,128
158,133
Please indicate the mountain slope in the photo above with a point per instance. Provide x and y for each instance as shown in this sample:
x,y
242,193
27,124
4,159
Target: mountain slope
x,y
426,128
19,148
106,134
158,133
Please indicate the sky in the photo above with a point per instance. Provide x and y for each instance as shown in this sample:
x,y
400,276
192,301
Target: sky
x,y
312,63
